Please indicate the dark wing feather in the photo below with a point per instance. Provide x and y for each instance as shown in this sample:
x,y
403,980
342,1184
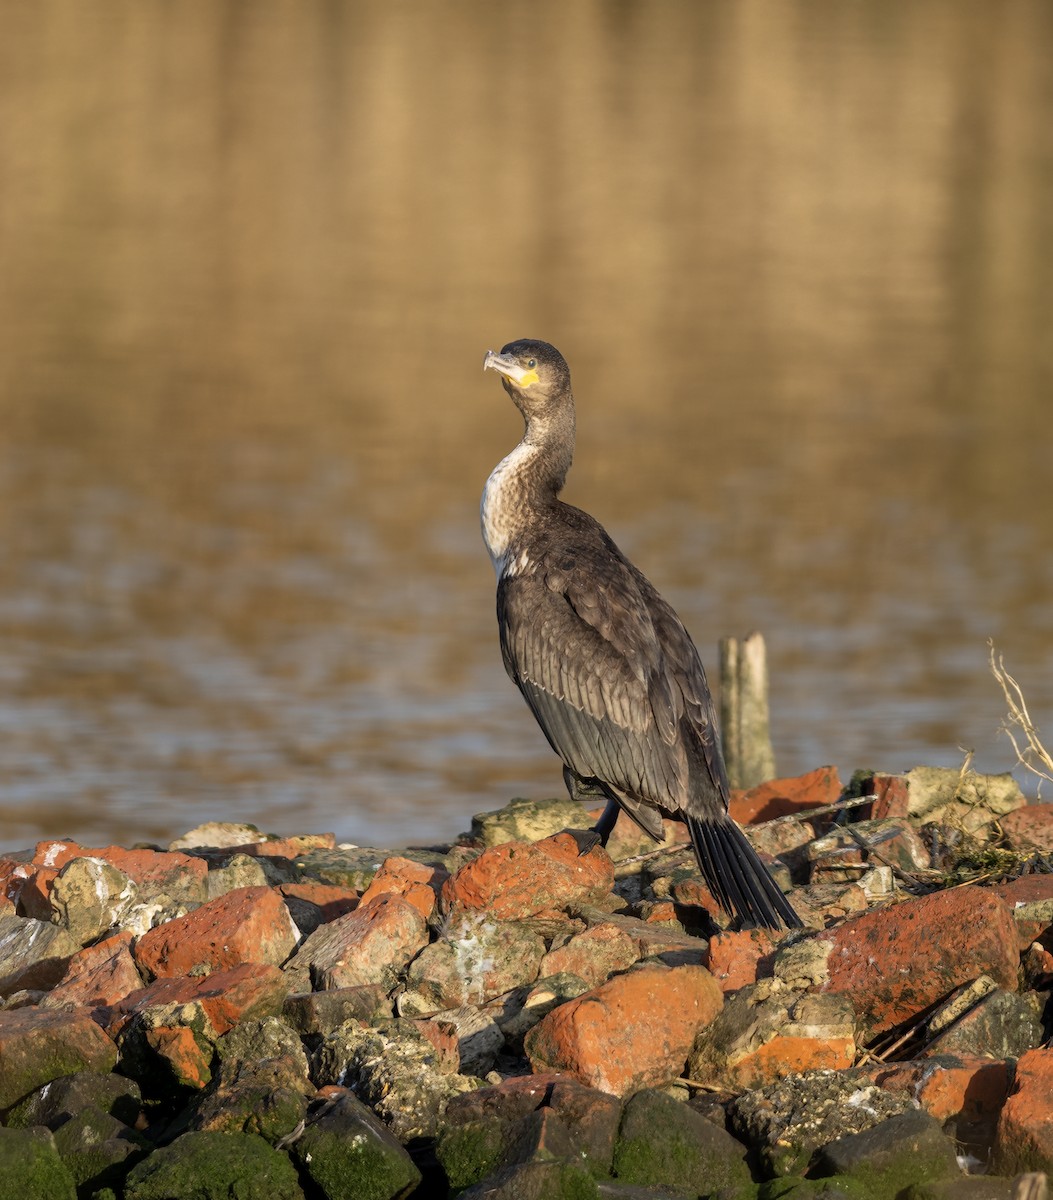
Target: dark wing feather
x,y
613,678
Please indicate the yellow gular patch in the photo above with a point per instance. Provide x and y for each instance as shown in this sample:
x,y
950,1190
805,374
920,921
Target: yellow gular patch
x,y
528,378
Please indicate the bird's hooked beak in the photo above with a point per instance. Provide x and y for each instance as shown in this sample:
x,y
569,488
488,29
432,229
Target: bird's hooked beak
x,y
507,366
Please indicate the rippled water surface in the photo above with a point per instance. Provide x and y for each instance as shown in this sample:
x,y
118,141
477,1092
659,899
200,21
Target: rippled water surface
x,y
800,259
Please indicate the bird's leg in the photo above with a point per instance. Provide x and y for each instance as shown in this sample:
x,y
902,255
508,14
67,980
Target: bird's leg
x,y
585,789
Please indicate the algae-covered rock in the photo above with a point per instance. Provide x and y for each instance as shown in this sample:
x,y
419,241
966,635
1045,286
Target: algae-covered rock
x,y
528,821
262,1085
355,866
527,1118
907,1149
978,1187
30,1166
663,1143
322,1012
787,1122
98,1149
549,1181
215,1166
60,1099
350,1155
471,1151
395,1070
37,1047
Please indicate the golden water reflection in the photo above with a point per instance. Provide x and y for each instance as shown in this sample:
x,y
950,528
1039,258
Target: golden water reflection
x,y
799,256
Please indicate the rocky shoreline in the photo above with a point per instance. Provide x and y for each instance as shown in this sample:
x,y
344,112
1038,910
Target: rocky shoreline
x,y
245,1016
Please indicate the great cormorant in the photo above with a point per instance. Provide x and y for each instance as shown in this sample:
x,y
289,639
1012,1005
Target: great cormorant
x,y
604,663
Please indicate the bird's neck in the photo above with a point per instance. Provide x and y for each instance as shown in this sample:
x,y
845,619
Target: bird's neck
x,y
525,484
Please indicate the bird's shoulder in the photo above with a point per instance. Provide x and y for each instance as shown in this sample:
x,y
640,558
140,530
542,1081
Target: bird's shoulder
x,y
573,568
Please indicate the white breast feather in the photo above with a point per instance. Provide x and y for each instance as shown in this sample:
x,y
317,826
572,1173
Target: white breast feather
x,y
500,510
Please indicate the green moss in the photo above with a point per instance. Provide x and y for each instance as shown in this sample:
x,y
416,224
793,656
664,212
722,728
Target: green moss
x,y
665,1143
30,1167
796,1187
215,1166
365,1167
574,1183
887,1183
43,1060
469,1152
667,1163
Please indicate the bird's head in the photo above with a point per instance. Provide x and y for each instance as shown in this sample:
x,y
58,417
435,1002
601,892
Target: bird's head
x,y
534,374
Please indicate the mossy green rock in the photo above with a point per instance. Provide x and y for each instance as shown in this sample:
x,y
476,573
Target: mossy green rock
x,y
796,1187
98,1149
30,1166
909,1149
37,1047
355,866
350,1155
469,1152
543,1181
57,1101
666,1144
215,1166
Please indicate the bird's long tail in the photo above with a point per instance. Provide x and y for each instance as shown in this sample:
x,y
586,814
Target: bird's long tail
x,y
737,877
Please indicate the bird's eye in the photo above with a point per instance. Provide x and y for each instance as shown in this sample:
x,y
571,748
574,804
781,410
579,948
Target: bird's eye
x,y
531,363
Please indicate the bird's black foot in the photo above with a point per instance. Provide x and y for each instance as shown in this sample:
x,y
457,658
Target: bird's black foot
x,y
586,839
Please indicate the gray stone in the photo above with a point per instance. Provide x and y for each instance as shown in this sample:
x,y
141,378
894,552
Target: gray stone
x,y
350,1155
479,1038
33,954
395,1071
241,871
968,801
355,866
217,835
998,1024
725,1051
90,896
322,1012
476,959
345,953
528,821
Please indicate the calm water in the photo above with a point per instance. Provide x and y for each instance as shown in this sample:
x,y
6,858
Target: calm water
x,y
800,259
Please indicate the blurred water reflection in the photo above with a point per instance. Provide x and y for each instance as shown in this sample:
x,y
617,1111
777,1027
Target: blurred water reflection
x,y
800,258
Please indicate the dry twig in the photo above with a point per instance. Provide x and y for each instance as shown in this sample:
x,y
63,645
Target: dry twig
x,y
1018,727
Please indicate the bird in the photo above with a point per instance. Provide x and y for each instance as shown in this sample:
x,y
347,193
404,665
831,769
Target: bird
x,y
603,662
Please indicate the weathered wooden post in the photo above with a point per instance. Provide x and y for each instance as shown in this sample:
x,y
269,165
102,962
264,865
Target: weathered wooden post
x,y
745,732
